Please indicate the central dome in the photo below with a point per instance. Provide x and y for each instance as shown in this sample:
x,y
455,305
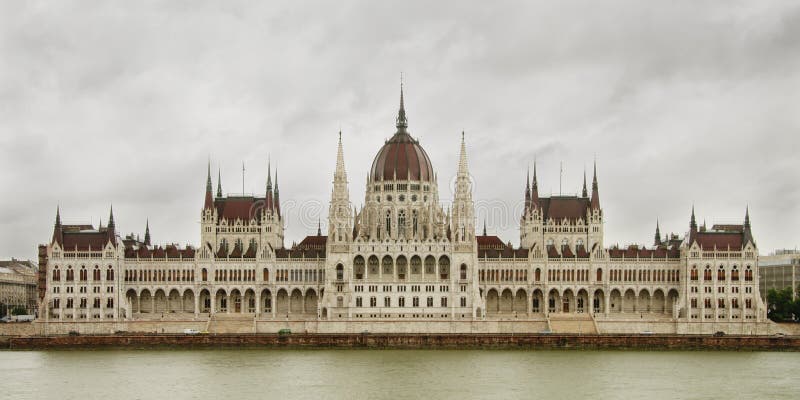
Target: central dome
x,y
401,157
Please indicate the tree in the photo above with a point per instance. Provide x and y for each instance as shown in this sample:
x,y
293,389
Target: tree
x,y
781,306
18,310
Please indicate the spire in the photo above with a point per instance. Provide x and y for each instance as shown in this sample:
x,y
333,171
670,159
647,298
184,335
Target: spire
x,y
319,227
58,234
527,191
595,195
340,173
268,199
534,189
462,159
111,218
209,188
147,233
402,121
747,218
693,222
277,195
219,183
112,236
484,227
658,235
585,193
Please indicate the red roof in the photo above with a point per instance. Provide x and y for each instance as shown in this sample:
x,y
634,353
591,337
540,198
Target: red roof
x,y
570,207
314,242
84,240
243,208
719,240
489,242
402,158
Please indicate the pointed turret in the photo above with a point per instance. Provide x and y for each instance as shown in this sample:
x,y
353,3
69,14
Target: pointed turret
x,y
585,193
209,203
463,208
219,183
340,213
534,189
268,198
692,227
402,120
658,235
319,227
595,195
58,234
147,233
527,192
112,236
748,234
484,227
277,196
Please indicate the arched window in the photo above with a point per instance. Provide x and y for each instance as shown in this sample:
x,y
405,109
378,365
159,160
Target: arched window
x,y
84,275
339,272
444,267
721,273
707,274
430,265
358,267
265,275
599,275
463,271
204,274
538,275
56,274
694,275
401,267
96,273
109,273
748,274
735,273
373,265
387,265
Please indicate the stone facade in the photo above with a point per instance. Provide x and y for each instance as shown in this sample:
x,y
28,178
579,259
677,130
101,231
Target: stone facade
x,y
17,285
404,262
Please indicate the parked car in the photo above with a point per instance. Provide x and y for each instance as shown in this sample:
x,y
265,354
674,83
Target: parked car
x,y
23,318
284,332
719,333
189,331
647,333
5,319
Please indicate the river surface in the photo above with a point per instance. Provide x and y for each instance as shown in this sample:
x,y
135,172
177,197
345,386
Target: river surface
x,y
397,374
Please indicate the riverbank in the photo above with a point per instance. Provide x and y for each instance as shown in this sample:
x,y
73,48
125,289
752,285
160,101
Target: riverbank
x,y
408,341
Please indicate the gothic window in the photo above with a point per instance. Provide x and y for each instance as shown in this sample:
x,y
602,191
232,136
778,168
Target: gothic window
x,y
444,267
721,273
414,220
388,223
401,267
748,274
463,271
694,273
96,273
56,274
388,265
109,274
204,274
373,265
401,223
416,265
265,275
430,265
83,274
358,267
707,274
599,275
735,273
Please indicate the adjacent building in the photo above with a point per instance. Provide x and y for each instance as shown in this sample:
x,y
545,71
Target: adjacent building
x,y
406,262
18,286
779,270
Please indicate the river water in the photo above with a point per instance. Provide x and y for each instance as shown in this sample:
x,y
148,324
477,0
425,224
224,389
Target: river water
x,y
397,374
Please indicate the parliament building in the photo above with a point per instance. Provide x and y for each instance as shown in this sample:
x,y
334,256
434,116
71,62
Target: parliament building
x,y
402,262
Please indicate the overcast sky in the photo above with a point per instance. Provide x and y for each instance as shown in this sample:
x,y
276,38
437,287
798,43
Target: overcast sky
x,y
681,103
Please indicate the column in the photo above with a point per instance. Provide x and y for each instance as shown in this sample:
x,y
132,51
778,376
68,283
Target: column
x,y
607,301
257,297
591,302
196,305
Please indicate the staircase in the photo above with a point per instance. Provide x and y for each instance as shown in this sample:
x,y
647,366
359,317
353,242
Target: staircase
x,y
231,323
582,323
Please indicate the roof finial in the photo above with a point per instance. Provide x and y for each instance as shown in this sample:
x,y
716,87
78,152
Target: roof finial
x,y
319,227
111,217
585,193
402,121
58,215
693,222
209,187
747,217
484,227
658,234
